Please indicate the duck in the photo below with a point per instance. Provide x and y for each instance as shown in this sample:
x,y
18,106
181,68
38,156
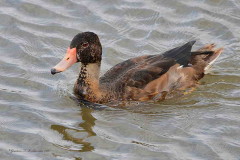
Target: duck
x,y
144,78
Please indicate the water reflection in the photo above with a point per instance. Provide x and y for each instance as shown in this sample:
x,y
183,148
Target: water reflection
x,y
73,135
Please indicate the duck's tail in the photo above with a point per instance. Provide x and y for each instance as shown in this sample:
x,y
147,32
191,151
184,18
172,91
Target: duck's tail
x,y
203,59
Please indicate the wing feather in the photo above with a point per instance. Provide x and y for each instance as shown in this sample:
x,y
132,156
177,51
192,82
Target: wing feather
x,y
138,72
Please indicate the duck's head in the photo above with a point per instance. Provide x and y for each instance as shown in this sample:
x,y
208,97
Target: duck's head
x,y
85,48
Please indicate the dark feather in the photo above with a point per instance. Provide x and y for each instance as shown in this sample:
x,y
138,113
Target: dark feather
x,y
201,52
181,54
149,72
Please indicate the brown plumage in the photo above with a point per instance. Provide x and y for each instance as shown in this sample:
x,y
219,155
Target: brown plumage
x,y
148,77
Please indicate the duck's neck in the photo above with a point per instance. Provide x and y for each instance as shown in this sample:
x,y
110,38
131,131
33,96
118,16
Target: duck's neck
x,y
88,81
89,71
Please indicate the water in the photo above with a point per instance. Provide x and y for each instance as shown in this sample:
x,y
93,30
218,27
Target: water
x,y
39,120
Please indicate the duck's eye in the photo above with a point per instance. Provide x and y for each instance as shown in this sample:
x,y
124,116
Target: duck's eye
x,y
85,44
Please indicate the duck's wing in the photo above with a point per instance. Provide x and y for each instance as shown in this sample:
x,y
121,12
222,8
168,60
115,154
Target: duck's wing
x,y
118,70
139,71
